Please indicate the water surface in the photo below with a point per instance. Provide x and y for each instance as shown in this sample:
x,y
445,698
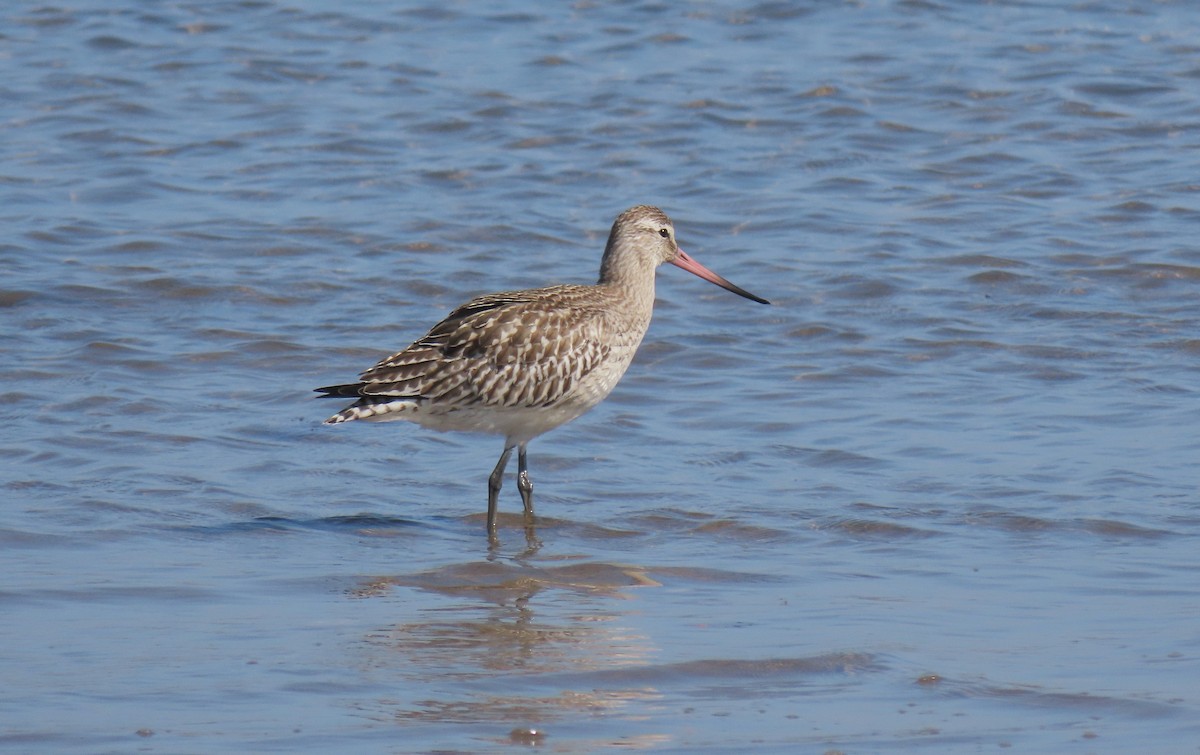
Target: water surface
x,y
941,496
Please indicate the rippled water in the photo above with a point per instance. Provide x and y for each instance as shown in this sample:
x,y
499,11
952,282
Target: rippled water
x,y
942,496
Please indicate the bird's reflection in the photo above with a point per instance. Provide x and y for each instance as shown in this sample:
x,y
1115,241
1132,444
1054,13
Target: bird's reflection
x,y
511,622
495,546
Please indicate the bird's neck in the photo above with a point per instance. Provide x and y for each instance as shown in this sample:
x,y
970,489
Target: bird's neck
x,y
628,275
630,280
623,265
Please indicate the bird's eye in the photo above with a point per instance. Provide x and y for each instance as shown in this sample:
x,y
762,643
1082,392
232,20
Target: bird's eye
x,y
664,233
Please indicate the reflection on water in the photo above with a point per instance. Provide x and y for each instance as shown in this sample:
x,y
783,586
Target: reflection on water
x,y
498,627
534,645
494,628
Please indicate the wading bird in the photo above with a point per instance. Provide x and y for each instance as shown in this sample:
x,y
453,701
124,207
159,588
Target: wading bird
x,y
521,363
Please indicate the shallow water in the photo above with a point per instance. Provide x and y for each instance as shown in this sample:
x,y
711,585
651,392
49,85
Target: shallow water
x,y
941,496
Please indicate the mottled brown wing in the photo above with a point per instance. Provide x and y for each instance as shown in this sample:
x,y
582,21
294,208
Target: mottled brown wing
x,y
522,348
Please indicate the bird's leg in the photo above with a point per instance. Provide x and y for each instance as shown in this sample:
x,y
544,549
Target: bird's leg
x,y
494,482
524,484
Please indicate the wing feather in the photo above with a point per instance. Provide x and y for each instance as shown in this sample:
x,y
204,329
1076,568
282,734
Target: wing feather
x,y
512,349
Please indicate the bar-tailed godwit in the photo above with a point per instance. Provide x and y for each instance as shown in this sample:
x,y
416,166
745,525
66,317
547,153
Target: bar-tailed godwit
x,y
521,363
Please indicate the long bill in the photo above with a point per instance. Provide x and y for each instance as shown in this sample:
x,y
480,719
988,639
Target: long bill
x,y
695,268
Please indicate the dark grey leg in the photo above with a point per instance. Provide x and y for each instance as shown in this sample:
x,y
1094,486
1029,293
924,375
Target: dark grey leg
x,y
524,484
494,482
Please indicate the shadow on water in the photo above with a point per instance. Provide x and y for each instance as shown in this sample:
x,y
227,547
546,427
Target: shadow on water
x,y
356,524
1030,696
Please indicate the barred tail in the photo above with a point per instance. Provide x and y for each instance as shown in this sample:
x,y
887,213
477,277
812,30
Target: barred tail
x,y
367,407
349,390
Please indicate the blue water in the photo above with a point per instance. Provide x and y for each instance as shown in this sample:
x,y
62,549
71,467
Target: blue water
x,y
941,496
